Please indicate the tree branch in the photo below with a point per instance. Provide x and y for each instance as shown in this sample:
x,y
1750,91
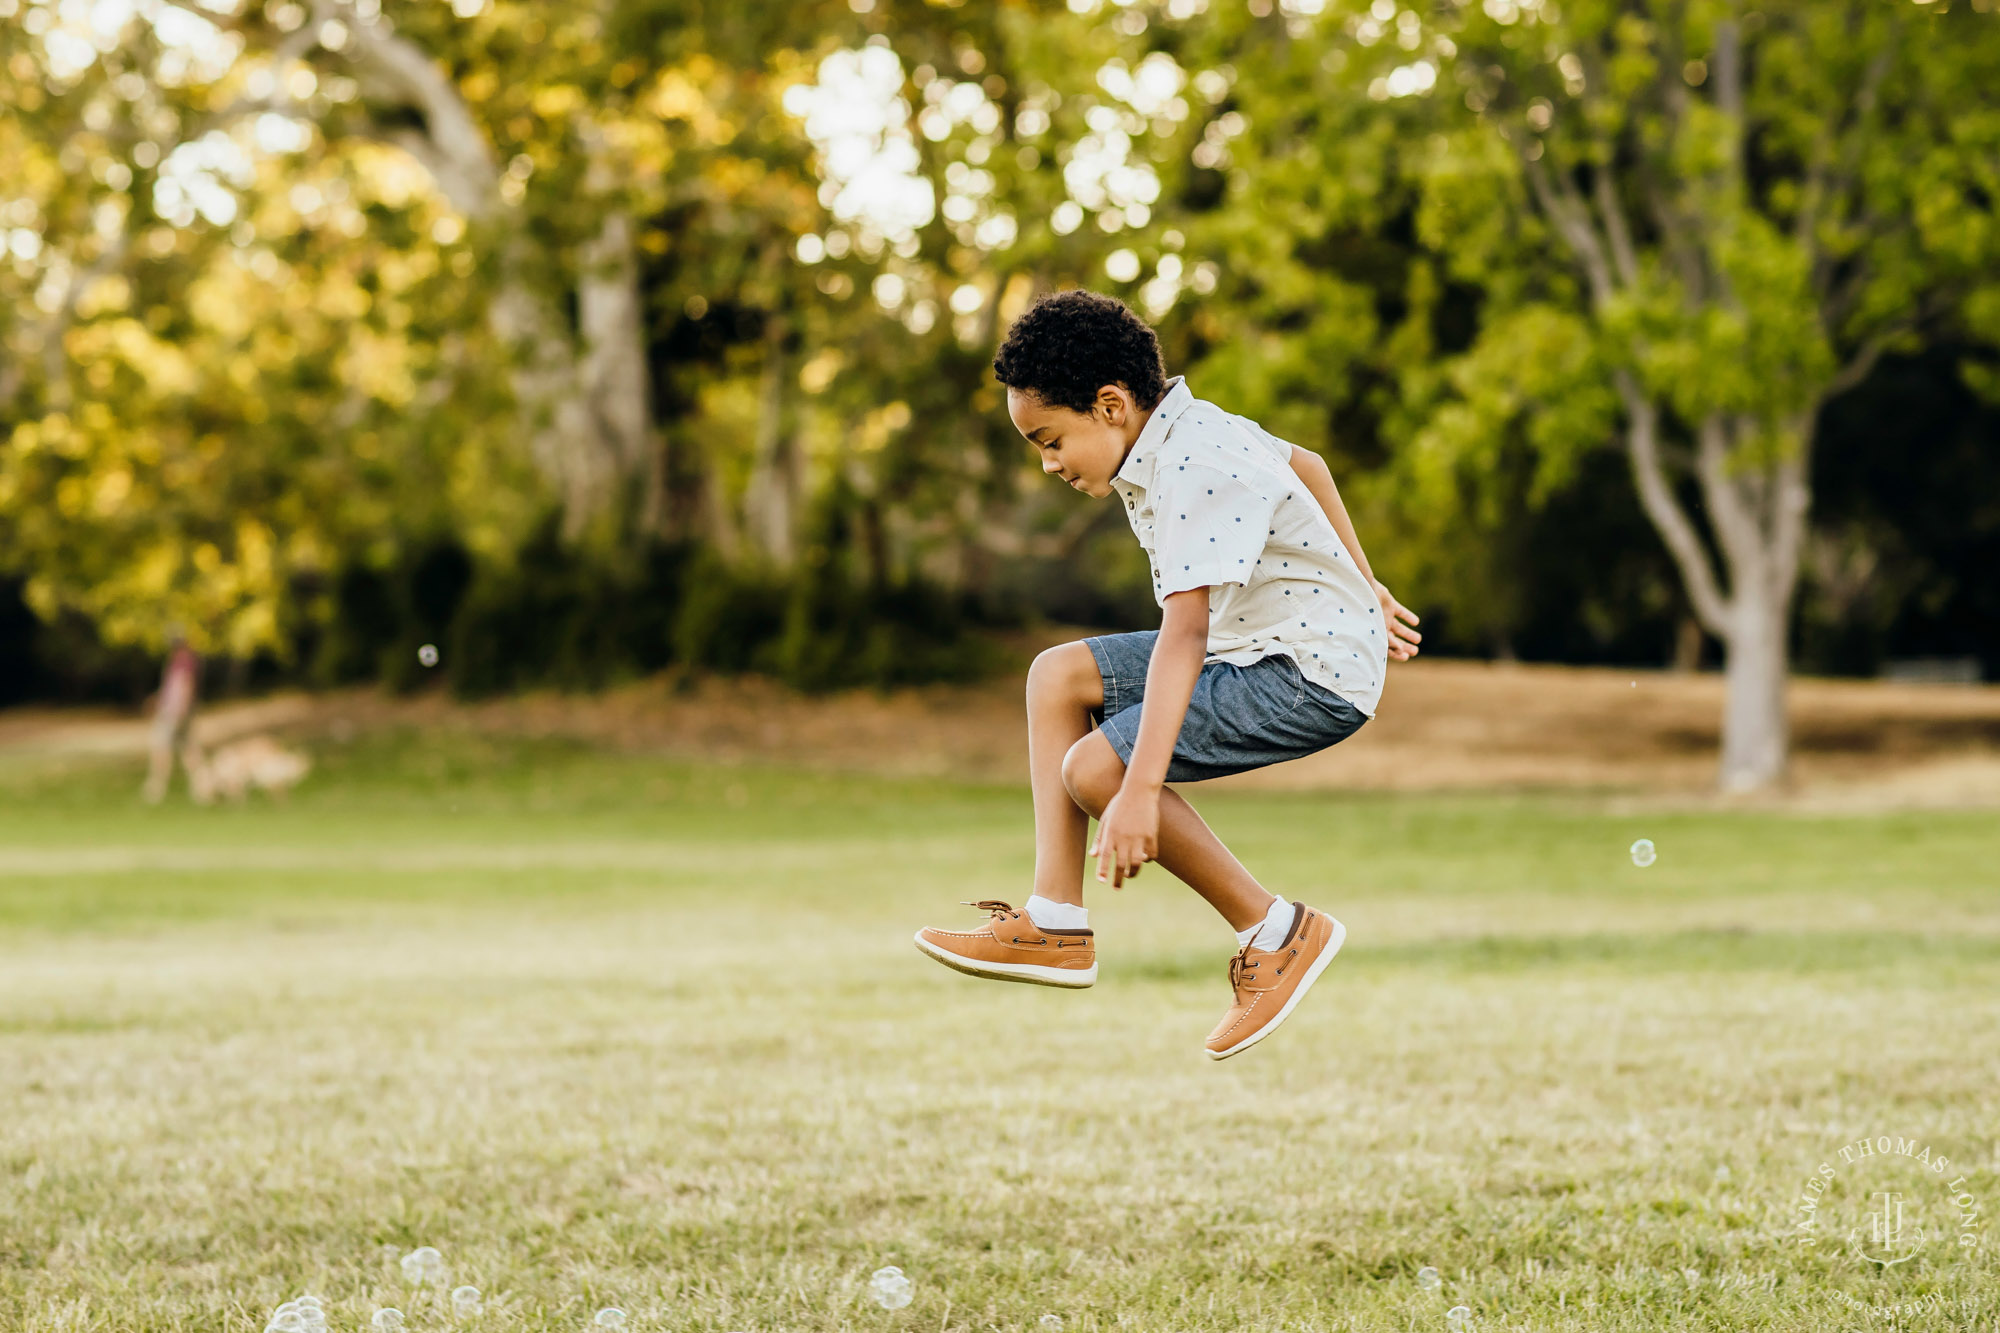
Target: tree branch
x,y
1615,230
1657,497
1791,502
1729,84
1860,109
1559,200
1737,529
1860,364
457,155
1860,115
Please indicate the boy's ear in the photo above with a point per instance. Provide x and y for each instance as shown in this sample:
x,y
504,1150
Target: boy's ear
x,y
1114,402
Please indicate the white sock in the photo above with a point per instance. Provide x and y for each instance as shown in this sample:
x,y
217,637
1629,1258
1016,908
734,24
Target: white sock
x,y
1052,915
1270,932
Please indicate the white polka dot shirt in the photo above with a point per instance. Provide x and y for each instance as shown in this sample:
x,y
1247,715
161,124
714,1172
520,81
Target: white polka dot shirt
x,y
1214,501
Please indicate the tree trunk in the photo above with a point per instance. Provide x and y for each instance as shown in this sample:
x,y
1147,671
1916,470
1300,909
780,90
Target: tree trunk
x,y
614,375
1757,511
586,413
771,503
1755,734
1687,646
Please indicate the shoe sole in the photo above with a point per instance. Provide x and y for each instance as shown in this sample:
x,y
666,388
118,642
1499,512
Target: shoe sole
x,y
1312,975
1065,978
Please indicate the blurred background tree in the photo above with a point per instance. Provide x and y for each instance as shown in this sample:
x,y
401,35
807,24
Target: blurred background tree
x,y
586,339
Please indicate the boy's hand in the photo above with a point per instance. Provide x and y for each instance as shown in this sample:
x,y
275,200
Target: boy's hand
x,y
1128,834
1401,620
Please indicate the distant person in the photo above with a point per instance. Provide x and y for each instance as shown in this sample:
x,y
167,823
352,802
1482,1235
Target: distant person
x,y
1273,642
173,715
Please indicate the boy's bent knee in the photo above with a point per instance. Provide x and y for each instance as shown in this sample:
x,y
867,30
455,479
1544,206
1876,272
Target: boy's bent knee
x,y
1067,671
1092,772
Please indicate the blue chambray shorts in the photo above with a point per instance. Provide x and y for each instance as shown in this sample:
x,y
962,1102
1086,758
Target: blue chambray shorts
x,y
1240,717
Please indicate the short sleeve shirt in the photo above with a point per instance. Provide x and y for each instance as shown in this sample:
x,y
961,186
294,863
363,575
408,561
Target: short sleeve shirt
x,y
1213,500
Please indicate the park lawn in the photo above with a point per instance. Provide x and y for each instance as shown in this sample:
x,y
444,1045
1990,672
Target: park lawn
x,y
614,1030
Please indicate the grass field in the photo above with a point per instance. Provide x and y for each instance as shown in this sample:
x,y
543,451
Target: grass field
x,y
608,1030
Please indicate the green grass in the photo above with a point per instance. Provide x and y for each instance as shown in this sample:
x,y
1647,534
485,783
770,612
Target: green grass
x,y
614,1030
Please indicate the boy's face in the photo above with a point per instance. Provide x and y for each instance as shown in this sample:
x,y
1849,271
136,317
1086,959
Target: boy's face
x,y
1084,449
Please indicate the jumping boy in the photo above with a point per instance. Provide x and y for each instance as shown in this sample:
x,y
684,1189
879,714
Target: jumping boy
x,y
1273,642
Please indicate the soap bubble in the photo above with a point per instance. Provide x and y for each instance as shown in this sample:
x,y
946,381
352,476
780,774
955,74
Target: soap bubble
x,y
1428,1279
306,1302
611,1317
288,1322
1052,1322
891,1290
1643,853
1722,1174
465,1300
1458,1316
428,655
386,1320
390,1253
422,1265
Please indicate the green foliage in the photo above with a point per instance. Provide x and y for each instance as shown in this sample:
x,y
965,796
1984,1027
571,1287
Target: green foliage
x,y
238,425
555,617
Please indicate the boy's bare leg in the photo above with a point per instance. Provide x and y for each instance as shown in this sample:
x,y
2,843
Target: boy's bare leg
x,y
1063,686
1092,772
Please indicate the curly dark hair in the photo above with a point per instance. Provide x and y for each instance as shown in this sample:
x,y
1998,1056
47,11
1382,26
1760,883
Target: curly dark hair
x,y
1071,344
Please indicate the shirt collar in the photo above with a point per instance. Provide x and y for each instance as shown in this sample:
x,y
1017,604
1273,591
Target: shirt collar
x,y
1138,466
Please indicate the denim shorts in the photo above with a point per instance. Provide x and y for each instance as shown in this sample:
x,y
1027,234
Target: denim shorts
x,y
1240,718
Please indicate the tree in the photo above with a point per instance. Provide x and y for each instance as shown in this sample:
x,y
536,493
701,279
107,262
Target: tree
x,y
240,361
1725,212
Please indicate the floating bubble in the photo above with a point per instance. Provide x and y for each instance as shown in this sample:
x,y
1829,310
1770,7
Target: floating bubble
x,y
1643,853
611,1317
428,655
1722,1175
1052,1322
422,1265
291,1321
307,1302
386,1320
891,1290
465,1300
1458,1316
1428,1279
389,1253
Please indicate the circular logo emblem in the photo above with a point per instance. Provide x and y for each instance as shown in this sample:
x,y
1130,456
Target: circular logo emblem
x,y
1886,1200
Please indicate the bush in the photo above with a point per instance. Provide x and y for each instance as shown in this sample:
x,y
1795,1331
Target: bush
x,y
558,617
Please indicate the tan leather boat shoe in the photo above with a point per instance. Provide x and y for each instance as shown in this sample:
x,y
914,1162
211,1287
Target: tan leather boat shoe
x,y
1011,947
1270,983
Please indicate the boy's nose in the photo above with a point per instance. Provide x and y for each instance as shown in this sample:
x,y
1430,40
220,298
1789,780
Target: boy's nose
x,y
1051,465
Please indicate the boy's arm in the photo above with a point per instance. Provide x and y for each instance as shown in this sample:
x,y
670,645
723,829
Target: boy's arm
x,y
1128,833
1318,477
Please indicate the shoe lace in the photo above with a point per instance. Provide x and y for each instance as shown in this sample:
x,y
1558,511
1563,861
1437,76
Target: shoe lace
x,y
993,905
1240,965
